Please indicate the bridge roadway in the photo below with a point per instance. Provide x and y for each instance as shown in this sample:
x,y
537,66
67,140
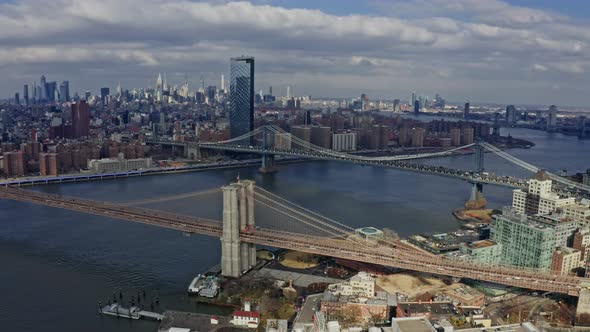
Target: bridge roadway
x,y
394,256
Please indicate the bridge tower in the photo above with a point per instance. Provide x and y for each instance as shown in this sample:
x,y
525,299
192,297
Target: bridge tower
x,y
268,159
479,168
192,150
238,216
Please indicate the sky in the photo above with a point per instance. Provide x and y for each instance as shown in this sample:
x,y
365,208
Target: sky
x,y
512,52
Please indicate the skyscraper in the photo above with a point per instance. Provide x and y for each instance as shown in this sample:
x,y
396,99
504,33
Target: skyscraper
x,y
241,116
43,84
64,91
80,119
104,93
552,118
466,111
413,98
416,107
17,98
26,94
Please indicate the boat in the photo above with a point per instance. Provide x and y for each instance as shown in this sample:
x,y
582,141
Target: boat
x,y
196,285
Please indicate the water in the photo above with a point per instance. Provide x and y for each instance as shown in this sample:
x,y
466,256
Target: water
x,y
57,265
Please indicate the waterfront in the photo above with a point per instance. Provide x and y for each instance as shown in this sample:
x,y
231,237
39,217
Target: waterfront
x,y
61,263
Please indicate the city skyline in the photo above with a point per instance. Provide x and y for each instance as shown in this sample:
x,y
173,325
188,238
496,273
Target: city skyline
x,y
491,51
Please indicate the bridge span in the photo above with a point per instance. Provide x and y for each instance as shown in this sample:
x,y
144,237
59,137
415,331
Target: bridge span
x,y
392,254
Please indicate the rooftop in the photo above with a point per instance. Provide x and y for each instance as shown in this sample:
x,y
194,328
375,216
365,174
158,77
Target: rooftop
x,y
481,244
413,324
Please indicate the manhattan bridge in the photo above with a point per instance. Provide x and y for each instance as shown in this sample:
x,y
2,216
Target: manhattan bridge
x,y
295,227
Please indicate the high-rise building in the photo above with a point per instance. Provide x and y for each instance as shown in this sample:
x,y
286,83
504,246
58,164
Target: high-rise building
x,y
302,132
552,117
307,118
416,107
26,94
211,92
510,114
14,164
413,98
466,111
241,115
344,142
16,98
321,136
64,91
529,241
51,90
80,119
418,137
455,136
396,107
43,85
104,93
467,136
566,260
87,95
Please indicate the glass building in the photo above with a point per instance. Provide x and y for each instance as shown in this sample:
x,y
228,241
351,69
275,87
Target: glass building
x,y
241,115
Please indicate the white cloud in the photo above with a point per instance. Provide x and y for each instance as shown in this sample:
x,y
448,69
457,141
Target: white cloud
x,y
419,42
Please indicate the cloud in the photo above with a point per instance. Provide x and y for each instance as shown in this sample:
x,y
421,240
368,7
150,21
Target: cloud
x,y
410,45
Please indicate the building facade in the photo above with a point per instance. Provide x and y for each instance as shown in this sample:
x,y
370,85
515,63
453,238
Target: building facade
x,y
241,114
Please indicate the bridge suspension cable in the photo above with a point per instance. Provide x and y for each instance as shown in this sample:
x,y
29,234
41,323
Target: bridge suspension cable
x,y
171,197
533,168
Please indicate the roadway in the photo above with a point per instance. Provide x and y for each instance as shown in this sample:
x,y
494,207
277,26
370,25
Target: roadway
x,y
393,256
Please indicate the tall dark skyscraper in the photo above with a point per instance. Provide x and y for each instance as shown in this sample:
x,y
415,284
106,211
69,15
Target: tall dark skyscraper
x,y
64,91
241,115
466,111
104,93
17,98
26,94
80,119
416,107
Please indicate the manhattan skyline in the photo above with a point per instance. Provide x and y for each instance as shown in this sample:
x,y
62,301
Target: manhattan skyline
x,y
520,52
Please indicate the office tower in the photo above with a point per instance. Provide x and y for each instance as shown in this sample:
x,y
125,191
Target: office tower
x,y
159,87
80,119
64,91
26,94
466,111
211,92
241,115
104,93
43,85
270,90
307,118
379,137
416,107
288,92
87,95
364,102
552,118
396,105
51,90
17,98
510,114
413,98
222,83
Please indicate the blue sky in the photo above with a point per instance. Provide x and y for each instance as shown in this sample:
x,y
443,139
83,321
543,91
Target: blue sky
x,y
517,51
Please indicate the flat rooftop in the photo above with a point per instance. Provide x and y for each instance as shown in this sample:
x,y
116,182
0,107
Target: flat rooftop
x,y
414,325
481,244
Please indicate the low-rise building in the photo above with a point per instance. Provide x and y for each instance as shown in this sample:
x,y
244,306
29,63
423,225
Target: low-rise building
x,y
249,319
430,310
120,164
483,251
565,260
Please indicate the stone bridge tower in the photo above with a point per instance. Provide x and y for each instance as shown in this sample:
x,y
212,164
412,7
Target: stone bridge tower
x,y
238,216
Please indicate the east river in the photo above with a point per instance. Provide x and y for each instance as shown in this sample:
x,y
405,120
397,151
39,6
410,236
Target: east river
x,y
56,265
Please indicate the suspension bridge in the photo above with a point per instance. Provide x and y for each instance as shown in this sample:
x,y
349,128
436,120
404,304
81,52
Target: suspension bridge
x,y
270,141
253,216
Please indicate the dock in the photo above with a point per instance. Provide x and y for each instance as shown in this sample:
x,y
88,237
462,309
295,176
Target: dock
x,y
135,313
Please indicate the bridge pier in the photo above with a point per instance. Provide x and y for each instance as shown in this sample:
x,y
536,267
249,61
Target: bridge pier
x,y
238,216
268,164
